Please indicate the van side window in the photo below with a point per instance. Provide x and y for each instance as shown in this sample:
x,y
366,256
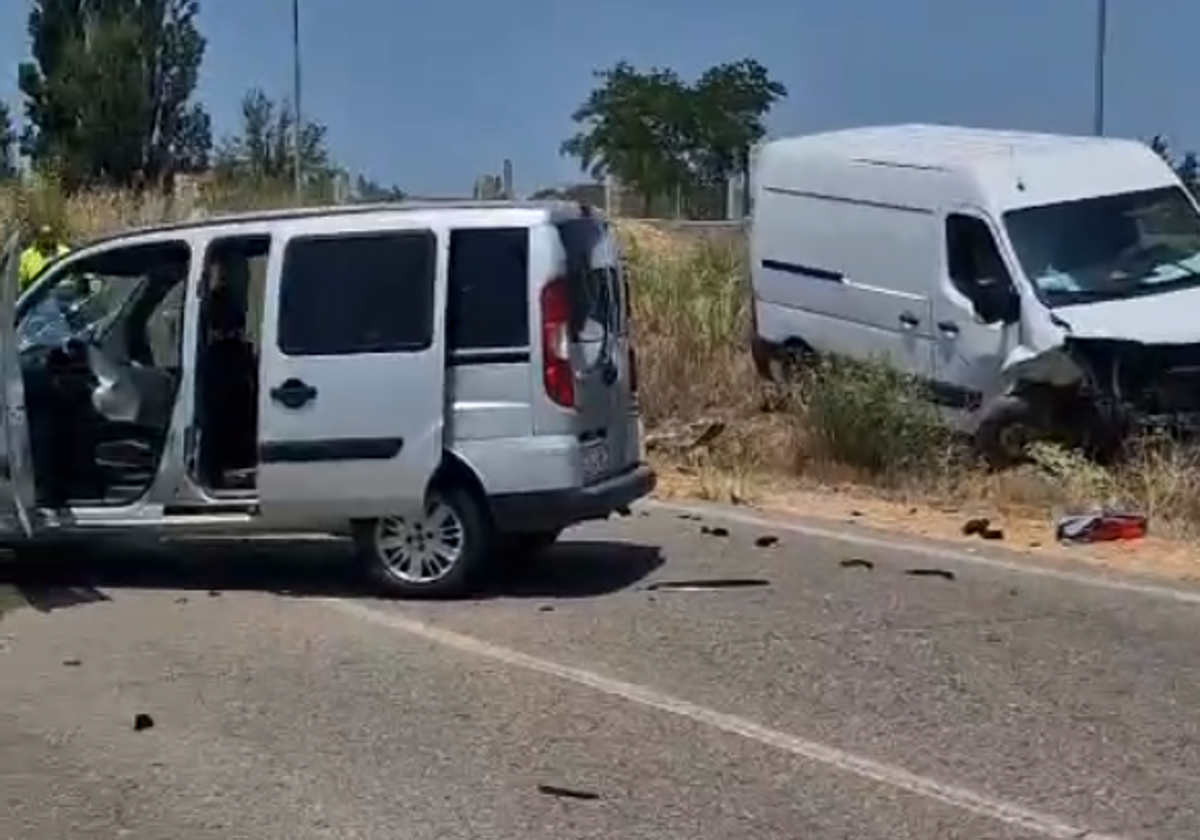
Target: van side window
x,y
488,303
358,293
972,255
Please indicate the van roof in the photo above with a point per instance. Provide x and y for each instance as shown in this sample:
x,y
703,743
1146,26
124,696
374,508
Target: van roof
x,y
434,207
1003,170
943,147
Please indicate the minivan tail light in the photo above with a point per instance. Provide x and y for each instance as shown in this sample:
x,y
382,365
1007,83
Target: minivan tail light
x,y
557,374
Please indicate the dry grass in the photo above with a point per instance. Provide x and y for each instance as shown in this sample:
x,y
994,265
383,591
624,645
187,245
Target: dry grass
x,y
857,426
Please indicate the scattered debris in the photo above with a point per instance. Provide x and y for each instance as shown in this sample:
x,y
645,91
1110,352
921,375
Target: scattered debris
x,y
624,511
706,585
212,593
856,563
72,663
981,526
976,526
944,574
767,541
690,517
685,438
142,722
545,608
714,530
181,600
1105,526
643,513
568,793
856,513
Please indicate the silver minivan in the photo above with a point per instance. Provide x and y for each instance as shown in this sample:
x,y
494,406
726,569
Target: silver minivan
x,y
449,383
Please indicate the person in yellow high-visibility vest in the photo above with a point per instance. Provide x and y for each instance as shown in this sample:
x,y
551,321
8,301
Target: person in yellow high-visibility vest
x,y
45,248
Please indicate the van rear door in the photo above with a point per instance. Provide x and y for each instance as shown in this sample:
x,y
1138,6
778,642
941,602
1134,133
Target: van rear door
x,y
600,348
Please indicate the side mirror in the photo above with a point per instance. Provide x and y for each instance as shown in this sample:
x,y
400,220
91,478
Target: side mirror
x,y
996,302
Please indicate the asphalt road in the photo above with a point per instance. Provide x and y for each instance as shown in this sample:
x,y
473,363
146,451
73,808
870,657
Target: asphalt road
x,y
583,699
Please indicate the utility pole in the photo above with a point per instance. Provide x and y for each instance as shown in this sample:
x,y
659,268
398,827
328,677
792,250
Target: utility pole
x,y
297,174
1101,62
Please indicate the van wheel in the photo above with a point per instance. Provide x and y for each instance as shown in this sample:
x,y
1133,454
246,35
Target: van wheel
x,y
525,545
790,362
1012,424
439,554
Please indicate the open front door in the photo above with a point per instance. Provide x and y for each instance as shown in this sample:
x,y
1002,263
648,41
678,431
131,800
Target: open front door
x,y
16,468
352,371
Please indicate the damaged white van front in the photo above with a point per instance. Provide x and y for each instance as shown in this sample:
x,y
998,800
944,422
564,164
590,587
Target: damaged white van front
x,y
1042,286
1103,328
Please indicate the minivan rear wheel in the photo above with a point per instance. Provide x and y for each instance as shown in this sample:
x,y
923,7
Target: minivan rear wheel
x,y
438,554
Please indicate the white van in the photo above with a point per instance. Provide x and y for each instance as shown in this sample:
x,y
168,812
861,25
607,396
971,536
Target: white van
x,y
1042,286
445,382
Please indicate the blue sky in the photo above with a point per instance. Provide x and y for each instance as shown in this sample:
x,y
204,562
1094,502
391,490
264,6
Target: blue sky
x,y
429,94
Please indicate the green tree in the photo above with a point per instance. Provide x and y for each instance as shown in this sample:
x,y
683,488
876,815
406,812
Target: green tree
x,y
635,125
8,143
662,135
261,150
109,94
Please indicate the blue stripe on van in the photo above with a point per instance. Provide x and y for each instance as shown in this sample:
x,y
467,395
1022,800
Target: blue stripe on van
x,y
811,272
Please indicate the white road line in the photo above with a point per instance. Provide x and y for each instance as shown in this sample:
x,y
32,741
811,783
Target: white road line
x,y
901,544
1008,813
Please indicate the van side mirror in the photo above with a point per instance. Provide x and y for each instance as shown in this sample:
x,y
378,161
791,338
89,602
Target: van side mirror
x,y
996,302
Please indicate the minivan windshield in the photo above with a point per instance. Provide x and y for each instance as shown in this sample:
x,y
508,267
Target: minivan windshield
x,y
1108,247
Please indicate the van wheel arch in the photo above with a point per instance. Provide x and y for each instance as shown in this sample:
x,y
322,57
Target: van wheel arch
x,y
458,494
791,359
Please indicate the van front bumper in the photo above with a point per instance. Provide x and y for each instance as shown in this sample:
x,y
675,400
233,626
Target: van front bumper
x,y
549,510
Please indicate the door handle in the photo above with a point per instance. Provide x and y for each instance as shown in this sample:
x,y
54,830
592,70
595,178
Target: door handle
x,y
293,393
948,328
909,321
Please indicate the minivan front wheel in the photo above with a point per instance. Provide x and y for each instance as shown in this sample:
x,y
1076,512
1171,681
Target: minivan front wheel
x,y
437,554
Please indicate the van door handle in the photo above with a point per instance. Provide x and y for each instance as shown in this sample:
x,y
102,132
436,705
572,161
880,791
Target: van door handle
x,y
948,328
909,321
293,393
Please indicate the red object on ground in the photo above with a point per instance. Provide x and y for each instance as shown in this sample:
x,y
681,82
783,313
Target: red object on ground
x,y
1103,527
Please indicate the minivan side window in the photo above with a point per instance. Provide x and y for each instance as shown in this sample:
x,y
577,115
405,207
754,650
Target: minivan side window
x,y
972,256
358,293
487,306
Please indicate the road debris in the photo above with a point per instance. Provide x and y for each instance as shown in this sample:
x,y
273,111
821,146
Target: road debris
x,y
944,574
767,541
142,722
72,663
856,563
1105,526
711,585
568,793
981,526
181,600
714,531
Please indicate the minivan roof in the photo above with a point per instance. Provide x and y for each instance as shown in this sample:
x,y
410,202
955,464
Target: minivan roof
x,y
945,147
547,209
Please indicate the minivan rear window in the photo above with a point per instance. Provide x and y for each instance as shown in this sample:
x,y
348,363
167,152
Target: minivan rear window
x,y
593,274
488,290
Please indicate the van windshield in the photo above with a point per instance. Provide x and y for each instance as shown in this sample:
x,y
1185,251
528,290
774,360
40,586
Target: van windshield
x,y
1108,247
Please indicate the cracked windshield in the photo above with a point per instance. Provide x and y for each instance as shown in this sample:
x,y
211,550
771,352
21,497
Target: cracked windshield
x,y
677,421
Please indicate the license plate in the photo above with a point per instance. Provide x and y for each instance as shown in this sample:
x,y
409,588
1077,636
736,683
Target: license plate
x,y
595,461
